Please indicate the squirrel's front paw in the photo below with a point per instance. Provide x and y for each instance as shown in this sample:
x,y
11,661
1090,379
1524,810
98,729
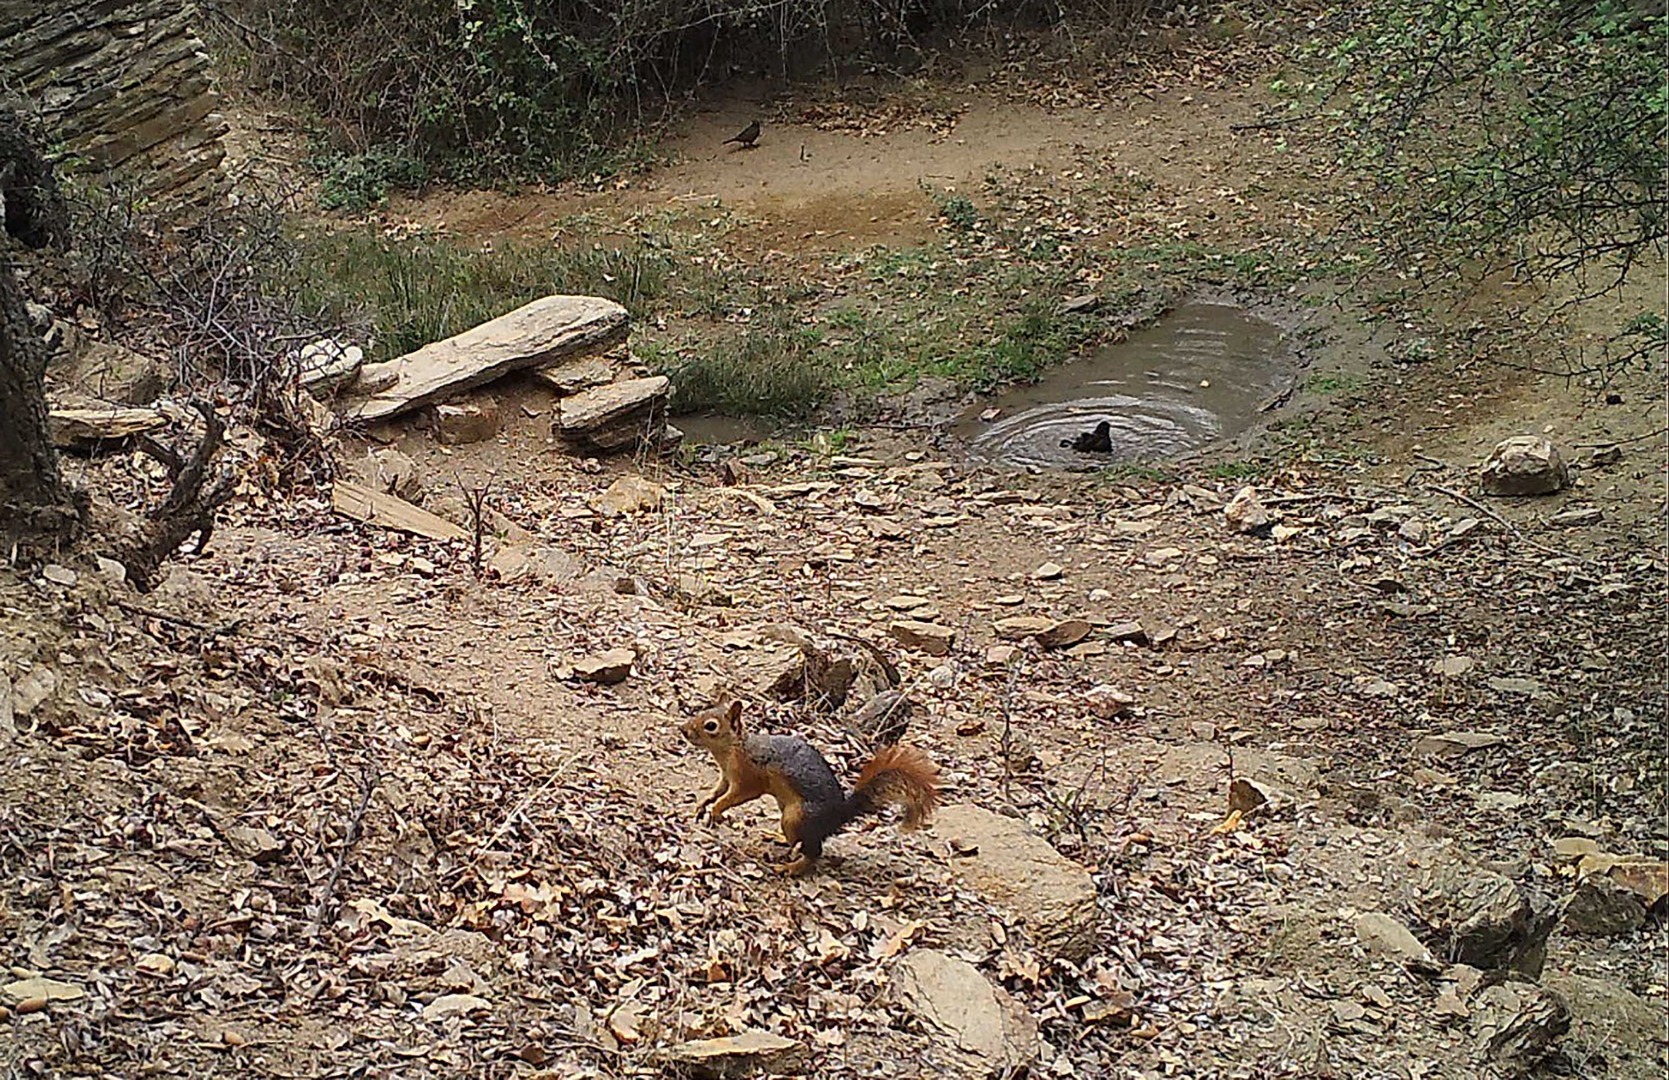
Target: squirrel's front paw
x,y
701,808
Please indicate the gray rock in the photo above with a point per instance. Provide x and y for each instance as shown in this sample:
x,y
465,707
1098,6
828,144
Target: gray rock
x,y
450,1005
1517,1023
327,365
34,689
114,373
930,638
1245,512
255,844
572,376
607,667
1524,465
598,413
533,335
1626,1027
128,89
1600,907
1479,917
1019,871
629,494
984,1027
884,718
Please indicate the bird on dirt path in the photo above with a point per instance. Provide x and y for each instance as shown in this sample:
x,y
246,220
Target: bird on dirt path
x,y
747,136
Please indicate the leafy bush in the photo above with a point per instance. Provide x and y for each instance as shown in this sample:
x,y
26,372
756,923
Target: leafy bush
x,y
1530,132
361,181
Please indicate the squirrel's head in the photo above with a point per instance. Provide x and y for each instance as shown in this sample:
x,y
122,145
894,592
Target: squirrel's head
x,y
718,726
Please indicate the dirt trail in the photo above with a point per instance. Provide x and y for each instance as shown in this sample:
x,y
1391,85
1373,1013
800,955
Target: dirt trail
x,y
806,187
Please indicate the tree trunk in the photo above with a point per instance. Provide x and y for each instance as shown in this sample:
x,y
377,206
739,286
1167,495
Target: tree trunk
x,y
39,512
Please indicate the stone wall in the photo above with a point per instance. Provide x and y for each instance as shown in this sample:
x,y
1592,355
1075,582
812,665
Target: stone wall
x,y
124,85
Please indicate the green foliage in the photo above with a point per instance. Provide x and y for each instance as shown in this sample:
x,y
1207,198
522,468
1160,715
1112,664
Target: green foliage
x,y
358,182
771,370
1237,470
958,211
1530,133
1339,383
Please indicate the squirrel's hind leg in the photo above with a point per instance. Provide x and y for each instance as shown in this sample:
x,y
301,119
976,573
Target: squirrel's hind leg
x,y
810,851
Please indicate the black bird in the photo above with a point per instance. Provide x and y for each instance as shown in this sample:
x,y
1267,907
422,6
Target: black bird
x,y
747,136
1099,441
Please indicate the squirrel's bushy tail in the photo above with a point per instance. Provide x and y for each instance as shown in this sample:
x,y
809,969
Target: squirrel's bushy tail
x,y
902,776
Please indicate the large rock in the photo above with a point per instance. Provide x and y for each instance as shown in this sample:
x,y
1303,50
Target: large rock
x,y
531,336
987,1031
125,87
1479,917
1517,1023
1601,907
1524,465
327,365
1627,1028
1019,871
111,372
618,415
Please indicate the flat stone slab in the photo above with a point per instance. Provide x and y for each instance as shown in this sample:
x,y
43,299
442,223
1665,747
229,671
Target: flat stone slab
x,y
743,1054
390,512
591,411
979,1020
533,335
572,376
1011,866
72,425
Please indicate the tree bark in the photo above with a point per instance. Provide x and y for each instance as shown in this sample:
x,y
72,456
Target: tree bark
x,y
39,512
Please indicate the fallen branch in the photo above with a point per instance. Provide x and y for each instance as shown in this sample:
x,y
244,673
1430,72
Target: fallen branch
x,y
190,507
368,780
1273,122
223,630
1658,434
1512,529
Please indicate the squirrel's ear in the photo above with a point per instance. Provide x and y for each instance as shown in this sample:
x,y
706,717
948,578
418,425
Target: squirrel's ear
x,y
734,715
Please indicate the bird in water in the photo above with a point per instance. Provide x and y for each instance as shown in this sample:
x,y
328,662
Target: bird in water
x,y
1099,441
747,136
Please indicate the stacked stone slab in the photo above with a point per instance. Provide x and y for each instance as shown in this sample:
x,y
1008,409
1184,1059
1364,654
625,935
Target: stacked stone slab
x,y
124,85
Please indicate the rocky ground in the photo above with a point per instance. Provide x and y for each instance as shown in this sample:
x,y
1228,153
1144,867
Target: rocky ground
x,y
1359,774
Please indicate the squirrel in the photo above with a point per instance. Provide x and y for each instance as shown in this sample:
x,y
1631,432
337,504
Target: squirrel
x,y
814,806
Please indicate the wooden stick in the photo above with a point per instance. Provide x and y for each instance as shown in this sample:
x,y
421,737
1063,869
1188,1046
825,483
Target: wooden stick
x,y
1505,524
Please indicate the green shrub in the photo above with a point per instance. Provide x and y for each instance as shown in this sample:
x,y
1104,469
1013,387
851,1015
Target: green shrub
x,y
1527,133
360,181
772,370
